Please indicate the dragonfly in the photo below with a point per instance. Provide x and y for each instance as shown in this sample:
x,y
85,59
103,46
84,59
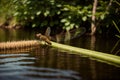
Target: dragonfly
x,y
45,37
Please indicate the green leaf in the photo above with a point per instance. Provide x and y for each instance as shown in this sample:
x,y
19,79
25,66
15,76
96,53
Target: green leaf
x,y
58,12
63,20
38,13
17,13
32,17
59,5
33,25
65,9
67,28
46,13
84,18
69,17
67,23
102,16
76,26
72,25
25,12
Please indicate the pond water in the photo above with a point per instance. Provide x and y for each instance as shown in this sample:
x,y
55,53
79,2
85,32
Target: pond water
x,y
47,63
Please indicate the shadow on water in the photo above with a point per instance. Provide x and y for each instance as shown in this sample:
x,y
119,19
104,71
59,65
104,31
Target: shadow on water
x,y
46,63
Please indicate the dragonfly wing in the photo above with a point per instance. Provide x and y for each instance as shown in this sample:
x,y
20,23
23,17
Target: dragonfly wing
x,y
48,31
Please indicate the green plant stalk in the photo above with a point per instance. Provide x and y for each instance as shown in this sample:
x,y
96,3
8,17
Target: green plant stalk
x,y
116,26
117,36
115,46
117,2
109,58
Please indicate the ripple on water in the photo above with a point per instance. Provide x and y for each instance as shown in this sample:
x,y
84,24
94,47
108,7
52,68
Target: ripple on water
x,y
21,67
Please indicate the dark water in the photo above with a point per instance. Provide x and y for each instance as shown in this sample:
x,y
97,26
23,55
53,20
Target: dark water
x,y
46,63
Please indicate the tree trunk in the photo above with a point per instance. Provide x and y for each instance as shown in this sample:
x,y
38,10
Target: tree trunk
x,y
93,25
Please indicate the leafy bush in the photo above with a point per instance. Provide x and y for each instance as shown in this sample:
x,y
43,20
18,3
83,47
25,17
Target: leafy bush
x,y
65,14
53,13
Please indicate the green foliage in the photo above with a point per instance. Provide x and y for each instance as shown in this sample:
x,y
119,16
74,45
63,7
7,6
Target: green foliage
x,y
51,13
59,13
73,16
6,10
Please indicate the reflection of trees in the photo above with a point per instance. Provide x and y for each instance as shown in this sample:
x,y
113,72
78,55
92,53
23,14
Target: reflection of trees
x,y
115,48
8,34
66,36
87,68
11,34
53,58
92,63
15,35
2,33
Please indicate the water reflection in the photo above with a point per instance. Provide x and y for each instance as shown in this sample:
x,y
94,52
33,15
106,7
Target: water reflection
x,y
88,68
23,67
15,35
46,63
98,43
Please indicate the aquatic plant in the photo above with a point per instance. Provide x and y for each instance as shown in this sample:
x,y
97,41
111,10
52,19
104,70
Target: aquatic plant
x,y
117,29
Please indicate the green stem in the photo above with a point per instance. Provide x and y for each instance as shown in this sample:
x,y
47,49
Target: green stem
x,y
116,26
97,55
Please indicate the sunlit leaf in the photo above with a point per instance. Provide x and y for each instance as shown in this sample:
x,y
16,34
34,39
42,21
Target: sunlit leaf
x,y
25,12
52,2
38,13
59,5
80,12
32,17
102,16
69,17
67,28
84,18
65,9
46,13
58,12
89,15
28,2
33,25
72,26
17,13
76,26
67,23
63,20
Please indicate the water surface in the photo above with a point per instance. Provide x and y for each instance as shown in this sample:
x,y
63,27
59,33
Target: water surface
x,y
47,63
